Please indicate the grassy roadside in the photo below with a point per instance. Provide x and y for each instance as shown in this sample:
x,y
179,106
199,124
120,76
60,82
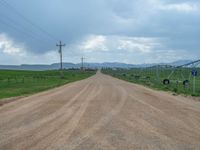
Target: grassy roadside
x,y
148,78
21,83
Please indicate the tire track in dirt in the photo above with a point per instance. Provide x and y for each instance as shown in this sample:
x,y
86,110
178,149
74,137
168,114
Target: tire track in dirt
x,y
164,117
76,118
32,103
40,126
161,112
102,122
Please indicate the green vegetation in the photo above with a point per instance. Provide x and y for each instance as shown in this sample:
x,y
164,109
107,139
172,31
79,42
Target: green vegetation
x,y
18,83
153,77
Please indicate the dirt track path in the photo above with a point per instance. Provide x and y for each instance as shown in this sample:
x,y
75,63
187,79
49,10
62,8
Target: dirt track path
x,y
100,113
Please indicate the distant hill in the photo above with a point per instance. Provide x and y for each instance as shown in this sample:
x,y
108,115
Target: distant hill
x,y
88,65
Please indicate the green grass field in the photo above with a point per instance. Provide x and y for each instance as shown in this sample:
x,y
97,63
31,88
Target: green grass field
x,y
153,77
18,83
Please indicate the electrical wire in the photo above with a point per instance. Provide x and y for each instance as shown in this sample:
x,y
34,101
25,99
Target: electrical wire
x,y
16,12
21,28
18,30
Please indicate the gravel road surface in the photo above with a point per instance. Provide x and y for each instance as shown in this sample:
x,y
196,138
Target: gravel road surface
x,y
100,113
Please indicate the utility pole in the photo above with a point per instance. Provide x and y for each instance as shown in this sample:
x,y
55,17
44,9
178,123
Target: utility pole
x,y
60,45
82,63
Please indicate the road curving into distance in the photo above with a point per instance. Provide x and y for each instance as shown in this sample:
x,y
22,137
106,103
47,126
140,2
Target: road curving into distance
x,y
100,113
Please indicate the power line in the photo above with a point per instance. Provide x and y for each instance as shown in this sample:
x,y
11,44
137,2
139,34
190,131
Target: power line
x,y
22,28
9,6
18,30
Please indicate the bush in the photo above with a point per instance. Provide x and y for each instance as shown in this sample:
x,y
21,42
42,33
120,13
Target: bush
x,y
175,90
124,75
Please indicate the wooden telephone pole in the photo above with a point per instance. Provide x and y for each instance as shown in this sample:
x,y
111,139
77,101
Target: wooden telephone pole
x,y
82,63
60,45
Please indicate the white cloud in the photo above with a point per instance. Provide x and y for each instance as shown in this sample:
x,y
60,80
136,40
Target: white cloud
x,y
94,43
102,43
128,49
135,44
15,53
8,46
167,55
49,57
96,48
181,7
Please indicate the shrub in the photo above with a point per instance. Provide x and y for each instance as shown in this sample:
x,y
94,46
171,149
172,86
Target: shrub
x,y
175,90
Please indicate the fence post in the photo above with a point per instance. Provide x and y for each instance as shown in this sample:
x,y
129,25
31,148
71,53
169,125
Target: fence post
x,y
194,85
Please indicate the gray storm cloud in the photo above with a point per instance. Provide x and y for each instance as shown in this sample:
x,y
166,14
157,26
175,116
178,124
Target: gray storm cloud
x,y
172,25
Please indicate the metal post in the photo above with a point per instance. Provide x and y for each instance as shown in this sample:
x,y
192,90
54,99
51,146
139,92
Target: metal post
x,y
194,85
157,73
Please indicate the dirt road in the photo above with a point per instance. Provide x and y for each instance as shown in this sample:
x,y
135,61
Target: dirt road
x,y
100,113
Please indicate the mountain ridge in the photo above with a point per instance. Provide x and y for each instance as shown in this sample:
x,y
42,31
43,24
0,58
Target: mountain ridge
x,y
67,65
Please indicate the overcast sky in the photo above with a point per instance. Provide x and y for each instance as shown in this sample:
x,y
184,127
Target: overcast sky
x,y
129,31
